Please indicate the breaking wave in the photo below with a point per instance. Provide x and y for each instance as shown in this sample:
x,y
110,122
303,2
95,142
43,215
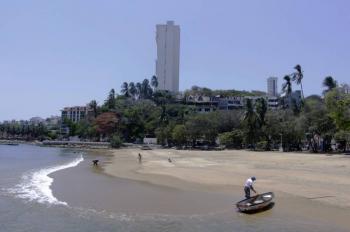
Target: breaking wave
x,y
35,186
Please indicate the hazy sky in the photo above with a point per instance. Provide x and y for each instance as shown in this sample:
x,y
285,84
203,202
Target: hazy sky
x,y
65,53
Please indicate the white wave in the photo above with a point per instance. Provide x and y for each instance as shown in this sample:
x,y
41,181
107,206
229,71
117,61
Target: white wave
x,y
35,186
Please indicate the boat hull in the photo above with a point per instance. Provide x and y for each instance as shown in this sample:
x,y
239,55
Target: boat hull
x,y
256,203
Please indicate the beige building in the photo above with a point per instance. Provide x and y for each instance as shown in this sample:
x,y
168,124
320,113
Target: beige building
x,y
168,56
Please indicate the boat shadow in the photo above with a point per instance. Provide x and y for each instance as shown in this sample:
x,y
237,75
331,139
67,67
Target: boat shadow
x,y
266,208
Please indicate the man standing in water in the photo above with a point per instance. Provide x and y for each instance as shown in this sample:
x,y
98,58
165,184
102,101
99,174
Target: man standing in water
x,y
249,186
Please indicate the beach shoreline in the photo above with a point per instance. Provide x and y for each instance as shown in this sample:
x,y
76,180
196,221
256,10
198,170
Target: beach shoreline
x,y
200,184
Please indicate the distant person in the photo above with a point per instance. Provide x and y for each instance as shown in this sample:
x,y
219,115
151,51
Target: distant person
x,y
249,186
140,158
169,160
95,162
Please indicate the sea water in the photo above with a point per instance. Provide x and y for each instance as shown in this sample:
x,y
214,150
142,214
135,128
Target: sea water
x,y
29,204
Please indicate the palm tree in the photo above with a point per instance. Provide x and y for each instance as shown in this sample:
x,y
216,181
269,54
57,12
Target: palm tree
x,y
261,109
139,90
298,77
154,82
132,89
329,83
93,106
287,86
250,118
125,89
146,89
110,102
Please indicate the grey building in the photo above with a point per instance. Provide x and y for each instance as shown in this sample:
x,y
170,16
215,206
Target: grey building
x,y
272,86
168,56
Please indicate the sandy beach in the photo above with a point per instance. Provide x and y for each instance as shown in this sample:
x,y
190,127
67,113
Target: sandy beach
x,y
314,177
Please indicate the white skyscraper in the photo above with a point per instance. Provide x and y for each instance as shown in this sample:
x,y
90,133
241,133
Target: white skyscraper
x,y
272,86
168,56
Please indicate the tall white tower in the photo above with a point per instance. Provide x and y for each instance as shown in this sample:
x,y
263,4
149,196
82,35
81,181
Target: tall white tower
x,y
168,56
272,86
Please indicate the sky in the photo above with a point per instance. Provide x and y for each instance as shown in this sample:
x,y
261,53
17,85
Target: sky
x,y
65,53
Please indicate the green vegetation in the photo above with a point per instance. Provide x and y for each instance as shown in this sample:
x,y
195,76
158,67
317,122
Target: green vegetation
x,y
116,141
26,131
318,124
196,90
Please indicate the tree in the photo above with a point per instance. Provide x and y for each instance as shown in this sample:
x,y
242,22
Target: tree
x,y
251,123
71,125
287,85
139,90
125,89
106,123
93,105
110,102
343,138
298,77
82,129
232,139
146,90
261,109
201,126
329,83
132,89
154,82
161,97
227,121
179,135
116,141
338,106
163,134
317,124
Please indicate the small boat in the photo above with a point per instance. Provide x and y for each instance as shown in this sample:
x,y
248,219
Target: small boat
x,y
256,203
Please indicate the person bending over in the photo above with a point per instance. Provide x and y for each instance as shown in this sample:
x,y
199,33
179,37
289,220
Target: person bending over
x,y
249,186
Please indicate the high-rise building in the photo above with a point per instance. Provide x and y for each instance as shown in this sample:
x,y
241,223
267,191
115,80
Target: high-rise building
x,y
272,86
168,56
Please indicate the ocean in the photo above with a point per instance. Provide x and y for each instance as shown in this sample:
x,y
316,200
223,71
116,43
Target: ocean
x,y
55,189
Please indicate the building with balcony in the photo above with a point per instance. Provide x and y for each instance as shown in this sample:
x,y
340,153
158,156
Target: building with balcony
x,y
75,113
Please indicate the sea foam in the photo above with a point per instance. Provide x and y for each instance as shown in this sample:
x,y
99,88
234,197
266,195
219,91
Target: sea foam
x,y
35,186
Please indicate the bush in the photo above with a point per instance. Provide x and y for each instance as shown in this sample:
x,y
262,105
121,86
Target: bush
x,y
233,139
116,141
179,135
262,145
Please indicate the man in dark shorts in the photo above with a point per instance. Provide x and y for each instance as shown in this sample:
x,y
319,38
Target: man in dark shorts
x,y
249,186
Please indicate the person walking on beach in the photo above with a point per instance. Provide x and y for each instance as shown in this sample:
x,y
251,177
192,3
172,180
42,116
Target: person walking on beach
x,y
249,186
140,158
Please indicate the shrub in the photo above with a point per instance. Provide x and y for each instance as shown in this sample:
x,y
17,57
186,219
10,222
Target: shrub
x,y
262,145
233,139
116,141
